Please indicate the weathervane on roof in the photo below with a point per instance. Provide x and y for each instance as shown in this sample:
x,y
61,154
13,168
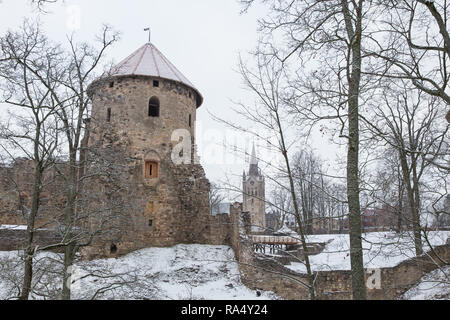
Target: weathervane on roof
x,y
149,33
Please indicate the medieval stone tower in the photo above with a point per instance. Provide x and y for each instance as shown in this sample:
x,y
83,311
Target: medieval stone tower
x,y
144,102
254,195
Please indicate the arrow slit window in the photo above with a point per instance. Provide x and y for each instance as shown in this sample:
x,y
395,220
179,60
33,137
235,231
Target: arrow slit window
x,y
151,169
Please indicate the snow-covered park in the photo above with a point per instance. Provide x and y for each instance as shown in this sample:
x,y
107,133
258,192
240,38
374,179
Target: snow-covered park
x,y
180,272
205,271
381,250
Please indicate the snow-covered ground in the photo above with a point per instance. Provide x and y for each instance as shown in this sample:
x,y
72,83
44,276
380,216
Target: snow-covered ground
x,y
204,271
179,272
433,286
381,249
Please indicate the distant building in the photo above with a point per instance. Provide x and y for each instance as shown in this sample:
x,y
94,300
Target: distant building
x,y
385,218
273,221
443,220
254,195
329,225
221,208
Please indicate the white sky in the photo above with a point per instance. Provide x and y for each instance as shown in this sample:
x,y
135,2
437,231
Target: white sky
x,y
202,38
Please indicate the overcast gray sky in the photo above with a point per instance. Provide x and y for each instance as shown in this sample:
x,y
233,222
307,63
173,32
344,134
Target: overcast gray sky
x,y
202,38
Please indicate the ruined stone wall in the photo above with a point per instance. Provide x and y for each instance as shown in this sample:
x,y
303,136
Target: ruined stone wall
x,y
11,240
16,193
177,204
394,281
263,273
180,213
158,211
221,229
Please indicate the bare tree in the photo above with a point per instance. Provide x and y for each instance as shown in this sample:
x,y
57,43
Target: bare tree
x,y
309,180
85,174
282,203
83,60
40,4
320,198
406,121
417,45
443,213
328,37
215,197
27,72
390,188
265,83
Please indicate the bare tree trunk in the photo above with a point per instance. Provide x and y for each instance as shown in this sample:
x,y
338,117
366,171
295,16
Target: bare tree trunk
x,y
356,253
72,193
69,256
411,204
30,248
416,212
296,209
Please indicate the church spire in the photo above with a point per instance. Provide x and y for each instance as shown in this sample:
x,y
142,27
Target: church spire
x,y
253,158
253,171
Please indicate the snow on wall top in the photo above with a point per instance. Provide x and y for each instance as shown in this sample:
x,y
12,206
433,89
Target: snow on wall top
x,y
12,227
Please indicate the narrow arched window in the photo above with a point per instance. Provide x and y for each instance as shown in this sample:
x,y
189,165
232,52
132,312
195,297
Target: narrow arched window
x,y
153,107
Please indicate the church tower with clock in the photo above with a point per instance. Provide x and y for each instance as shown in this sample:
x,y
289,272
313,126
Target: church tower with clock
x,y
254,195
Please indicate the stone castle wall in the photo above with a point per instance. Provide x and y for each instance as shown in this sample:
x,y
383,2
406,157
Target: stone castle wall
x,y
180,213
169,209
16,192
11,240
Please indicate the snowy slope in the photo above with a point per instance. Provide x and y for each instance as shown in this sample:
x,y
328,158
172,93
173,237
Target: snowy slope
x,y
433,286
179,272
381,249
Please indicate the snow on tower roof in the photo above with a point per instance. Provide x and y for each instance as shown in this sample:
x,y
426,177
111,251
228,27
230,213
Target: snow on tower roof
x,y
149,61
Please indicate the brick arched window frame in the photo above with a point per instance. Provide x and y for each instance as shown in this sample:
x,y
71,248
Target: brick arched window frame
x,y
153,107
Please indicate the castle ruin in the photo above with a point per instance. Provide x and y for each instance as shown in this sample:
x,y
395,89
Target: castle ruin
x,y
146,105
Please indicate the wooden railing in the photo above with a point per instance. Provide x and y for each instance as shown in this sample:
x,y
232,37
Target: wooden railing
x,y
274,239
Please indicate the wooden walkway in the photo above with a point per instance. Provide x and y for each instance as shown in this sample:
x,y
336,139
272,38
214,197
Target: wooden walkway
x,y
275,239
273,243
